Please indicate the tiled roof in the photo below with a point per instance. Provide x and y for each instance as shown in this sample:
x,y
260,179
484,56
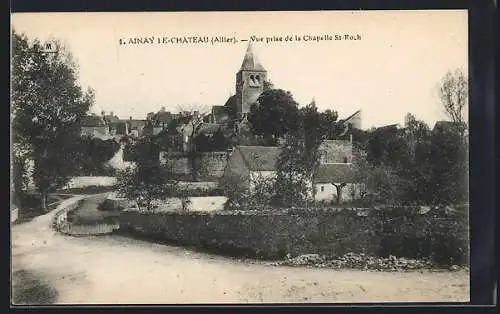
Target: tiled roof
x,y
92,121
260,158
334,173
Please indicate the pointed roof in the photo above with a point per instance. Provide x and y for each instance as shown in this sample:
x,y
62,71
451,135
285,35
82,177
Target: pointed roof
x,y
250,62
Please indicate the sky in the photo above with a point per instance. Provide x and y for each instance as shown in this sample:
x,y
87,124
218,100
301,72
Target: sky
x,y
394,68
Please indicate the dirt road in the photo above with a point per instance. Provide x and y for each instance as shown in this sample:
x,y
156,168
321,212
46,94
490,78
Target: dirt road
x,y
113,269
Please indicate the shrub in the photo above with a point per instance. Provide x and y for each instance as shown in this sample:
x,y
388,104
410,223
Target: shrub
x,y
241,197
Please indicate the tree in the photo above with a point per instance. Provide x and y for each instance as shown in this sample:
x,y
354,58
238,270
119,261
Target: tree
x,y
313,132
241,196
331,127
339,187
274,115
47,106
149,181
454,95
293,175
448,159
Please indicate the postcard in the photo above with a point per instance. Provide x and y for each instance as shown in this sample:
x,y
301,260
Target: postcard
x,y
239,157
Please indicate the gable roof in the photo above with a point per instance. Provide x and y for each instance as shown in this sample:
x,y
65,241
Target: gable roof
x,y
334,173
260,158
92,121
351,116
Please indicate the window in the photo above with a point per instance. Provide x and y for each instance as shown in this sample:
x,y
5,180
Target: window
x,y
345,160
322,188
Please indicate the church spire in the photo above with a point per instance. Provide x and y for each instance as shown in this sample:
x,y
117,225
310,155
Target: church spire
x,y
250,62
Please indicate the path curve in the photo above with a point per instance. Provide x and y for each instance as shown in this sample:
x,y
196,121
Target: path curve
x,y
114,269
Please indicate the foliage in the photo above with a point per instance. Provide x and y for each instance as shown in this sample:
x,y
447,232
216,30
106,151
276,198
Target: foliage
x,y
454,95
448,158
149,181
274,115
330,127
47,106
144,149
241,196
422,166
92,154
400,232
216,142
293,174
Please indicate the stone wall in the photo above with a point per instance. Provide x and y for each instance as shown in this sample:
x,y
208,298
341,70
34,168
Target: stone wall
x,y
336,151
211,164
273,234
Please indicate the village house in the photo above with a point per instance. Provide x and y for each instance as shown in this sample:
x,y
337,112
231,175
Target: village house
x,y
95,126
250,164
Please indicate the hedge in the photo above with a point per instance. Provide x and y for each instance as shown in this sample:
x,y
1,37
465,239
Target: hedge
x,y
273,234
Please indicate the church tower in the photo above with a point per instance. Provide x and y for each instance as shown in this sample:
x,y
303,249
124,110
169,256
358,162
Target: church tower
x,y
249,82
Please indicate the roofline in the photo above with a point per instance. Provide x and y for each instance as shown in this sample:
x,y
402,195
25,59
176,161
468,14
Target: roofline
x,y
352,115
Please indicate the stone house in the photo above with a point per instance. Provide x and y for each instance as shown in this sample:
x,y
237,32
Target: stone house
x,y
249,164
330,178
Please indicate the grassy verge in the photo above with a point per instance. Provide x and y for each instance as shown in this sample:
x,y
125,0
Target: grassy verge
x,y
87,213
29,289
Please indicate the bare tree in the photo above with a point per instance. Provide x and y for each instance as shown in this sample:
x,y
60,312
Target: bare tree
x,y
454,94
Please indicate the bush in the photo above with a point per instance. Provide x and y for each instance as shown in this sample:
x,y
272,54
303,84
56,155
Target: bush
x,y
114,205
400,232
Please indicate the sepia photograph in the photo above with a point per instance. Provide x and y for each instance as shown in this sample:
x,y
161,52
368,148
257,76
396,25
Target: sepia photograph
x,y
239,157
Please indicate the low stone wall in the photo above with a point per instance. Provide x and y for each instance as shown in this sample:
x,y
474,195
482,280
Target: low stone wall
x,y
61,223
88,230
273,234
14,214
61,217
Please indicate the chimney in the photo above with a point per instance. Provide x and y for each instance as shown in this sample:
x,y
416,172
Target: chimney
x,y
103,113
130,118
